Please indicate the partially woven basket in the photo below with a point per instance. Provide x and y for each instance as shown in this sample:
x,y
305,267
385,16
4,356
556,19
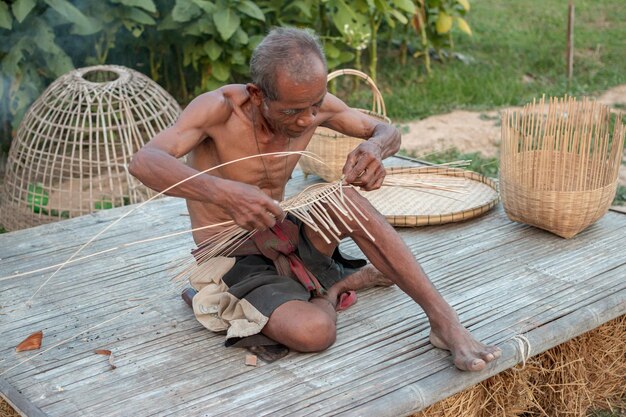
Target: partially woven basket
x,y
71,152
332,147
559,164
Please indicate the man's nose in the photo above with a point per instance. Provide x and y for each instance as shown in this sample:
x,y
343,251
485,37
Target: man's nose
x,y
306,118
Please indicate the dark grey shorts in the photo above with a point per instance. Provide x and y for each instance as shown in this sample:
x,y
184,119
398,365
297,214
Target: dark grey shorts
x,y
255,279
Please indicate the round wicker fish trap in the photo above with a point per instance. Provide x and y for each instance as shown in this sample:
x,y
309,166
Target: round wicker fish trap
x,y
333,148
559,163
71,151
422,196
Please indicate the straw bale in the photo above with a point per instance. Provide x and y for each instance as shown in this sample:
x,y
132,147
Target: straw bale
x,y
586,373
6,410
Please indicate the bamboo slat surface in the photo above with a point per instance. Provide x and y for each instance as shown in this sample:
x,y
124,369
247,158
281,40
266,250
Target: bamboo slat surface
x,y
503,278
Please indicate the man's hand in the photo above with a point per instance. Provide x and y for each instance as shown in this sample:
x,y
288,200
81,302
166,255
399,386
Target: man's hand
x,y
364,167
249,207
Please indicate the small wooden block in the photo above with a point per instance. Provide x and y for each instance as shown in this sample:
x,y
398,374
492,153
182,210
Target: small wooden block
x,y
251,360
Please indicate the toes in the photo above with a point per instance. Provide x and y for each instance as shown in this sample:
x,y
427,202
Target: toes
x,y
490,353
495,351
487,356
474,364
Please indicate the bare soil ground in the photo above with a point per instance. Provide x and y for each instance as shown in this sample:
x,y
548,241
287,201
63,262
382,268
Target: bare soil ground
x,y
470,131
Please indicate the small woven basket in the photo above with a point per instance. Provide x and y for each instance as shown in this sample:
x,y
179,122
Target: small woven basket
x,y
332,147
559,164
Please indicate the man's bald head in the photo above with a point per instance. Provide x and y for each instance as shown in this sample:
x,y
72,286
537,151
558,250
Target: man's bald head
x,y
289,52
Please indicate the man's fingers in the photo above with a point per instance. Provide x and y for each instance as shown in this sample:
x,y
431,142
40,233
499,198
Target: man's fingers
x,y
275,210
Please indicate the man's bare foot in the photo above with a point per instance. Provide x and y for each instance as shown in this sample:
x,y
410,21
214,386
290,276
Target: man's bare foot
x,y
366,277
468,353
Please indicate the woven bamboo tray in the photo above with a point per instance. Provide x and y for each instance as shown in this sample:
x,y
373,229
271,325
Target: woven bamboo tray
x,y
332,147
417,206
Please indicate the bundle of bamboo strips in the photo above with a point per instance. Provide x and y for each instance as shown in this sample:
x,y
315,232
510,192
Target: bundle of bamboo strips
x,y
559,164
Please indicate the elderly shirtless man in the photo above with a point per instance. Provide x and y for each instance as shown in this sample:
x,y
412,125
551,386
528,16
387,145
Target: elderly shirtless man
x,y
279,111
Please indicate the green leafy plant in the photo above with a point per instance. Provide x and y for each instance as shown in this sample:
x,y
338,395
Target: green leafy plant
x,y
42,38
433,22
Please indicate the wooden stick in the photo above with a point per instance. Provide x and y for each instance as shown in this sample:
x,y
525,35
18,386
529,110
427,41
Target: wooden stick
x,y
570,39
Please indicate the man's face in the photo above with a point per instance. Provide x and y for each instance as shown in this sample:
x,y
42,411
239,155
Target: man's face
x,y
297,105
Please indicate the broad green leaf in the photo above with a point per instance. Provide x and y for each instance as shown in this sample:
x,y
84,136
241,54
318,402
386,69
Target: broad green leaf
x,y
144,4
331,50
346,56
241,36
463,25
168,23
465,4
82,24
184,11
399,17
240,69
212,49
444,23
21,8
302,6
57,61
251,9
406,5
193,29
210,84
220,71
205,5
140,16
10,62
227,22
238,58
254,41
5,17
133,27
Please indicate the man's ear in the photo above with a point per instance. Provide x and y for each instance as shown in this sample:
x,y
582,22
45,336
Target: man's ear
x,y
255,93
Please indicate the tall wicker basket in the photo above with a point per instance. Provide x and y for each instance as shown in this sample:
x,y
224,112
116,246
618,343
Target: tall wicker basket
x,y
332,147
71,151
560,163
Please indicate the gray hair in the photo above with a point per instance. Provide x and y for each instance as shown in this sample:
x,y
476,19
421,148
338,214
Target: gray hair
x,y
290,49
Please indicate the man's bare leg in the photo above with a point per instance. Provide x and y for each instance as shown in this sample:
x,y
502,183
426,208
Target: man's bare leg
x,y
310,326
390,255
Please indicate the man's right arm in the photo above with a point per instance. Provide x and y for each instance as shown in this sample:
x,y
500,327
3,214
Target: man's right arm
x,y
157,166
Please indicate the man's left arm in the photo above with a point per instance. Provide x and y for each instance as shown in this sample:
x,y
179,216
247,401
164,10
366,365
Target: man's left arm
x,y
364,167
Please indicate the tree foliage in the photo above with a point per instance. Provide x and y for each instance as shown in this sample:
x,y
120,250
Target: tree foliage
x,y
191,46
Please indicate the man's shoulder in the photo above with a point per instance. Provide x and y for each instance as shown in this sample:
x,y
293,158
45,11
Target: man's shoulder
x,y
220,103
235,94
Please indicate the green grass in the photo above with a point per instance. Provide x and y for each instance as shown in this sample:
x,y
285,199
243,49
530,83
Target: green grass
x,y
620,196
512,40
486,166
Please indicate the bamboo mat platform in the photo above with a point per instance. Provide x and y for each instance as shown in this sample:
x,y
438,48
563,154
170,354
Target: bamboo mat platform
x,y
505,279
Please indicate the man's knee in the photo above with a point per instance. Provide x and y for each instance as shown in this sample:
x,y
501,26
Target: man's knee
x,y
318,333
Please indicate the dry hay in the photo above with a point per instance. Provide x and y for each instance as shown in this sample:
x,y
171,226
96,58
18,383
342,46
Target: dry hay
x,y
6,410
584,374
